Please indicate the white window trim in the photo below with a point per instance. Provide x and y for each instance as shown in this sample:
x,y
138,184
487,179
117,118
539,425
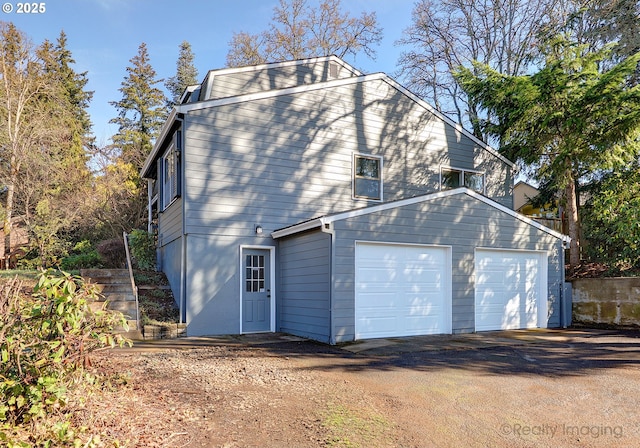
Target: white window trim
x,y
462,173
171,188
353,176
168,196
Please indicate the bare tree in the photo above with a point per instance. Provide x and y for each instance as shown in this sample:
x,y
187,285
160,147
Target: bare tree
x,y
447,34
298,31
23,113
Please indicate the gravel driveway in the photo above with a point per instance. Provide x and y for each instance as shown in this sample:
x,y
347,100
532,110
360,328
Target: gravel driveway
x,y
516,389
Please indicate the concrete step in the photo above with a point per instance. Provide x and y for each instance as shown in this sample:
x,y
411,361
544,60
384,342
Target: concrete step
x,y
121,305
114,288
117,295
104,273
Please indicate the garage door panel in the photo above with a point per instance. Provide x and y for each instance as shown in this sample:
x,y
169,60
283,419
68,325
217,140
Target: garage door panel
x,y
508,290
379,300
401,290
377,326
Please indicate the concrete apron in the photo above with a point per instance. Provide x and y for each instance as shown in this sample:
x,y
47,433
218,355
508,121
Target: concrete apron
x,y
467,341
388,346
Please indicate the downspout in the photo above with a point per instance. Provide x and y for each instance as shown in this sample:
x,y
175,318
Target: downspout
x,y
563,305
183,241
327,227
149,205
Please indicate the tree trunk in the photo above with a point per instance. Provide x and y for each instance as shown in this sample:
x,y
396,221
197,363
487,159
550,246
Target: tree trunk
x,y
572,218
7,224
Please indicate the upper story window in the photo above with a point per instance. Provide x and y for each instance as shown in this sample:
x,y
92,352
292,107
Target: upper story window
x,y
367,177
170,169
454,178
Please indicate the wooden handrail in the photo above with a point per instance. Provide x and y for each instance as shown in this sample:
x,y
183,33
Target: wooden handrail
x,y
125,236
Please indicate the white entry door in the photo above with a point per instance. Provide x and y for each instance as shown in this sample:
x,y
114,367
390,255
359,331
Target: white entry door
x,y
510,289
402,290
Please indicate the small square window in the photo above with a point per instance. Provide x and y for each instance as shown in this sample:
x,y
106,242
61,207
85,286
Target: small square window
x,y
474,181
367,182
455,178
450,178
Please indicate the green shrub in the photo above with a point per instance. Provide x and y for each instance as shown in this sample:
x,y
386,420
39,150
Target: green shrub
x,y
81,261
611,220
83,256
112,253
45,341
143,249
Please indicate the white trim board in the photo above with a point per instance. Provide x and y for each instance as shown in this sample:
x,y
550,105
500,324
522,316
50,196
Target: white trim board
x,y
359,78
327,220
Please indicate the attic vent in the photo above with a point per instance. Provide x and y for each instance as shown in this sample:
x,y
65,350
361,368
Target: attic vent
x,y
333,70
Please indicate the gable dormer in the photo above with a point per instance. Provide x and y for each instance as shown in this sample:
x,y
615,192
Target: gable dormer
x,y
231,82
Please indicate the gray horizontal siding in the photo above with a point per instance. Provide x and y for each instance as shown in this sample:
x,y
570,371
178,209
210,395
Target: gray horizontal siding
x,y
277,161
304,289
170,223
286,159
461,222
273,78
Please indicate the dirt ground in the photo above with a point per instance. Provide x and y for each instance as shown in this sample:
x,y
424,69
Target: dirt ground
x,y
569,388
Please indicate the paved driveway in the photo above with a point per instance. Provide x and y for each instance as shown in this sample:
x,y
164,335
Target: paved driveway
x,y
548,388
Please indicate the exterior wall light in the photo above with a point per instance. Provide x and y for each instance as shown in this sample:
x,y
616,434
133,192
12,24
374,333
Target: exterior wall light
x,y
258,230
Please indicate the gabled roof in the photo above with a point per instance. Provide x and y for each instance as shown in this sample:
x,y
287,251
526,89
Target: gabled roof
x,y
206,84
187,107
328,219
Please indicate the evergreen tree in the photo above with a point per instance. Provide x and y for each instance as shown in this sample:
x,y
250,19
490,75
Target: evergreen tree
x,y
569,120
141,110
446,34
186,74
141,113
56,193
74,85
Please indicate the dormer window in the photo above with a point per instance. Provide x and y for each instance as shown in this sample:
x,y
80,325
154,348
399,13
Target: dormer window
x,y
454,178
367,177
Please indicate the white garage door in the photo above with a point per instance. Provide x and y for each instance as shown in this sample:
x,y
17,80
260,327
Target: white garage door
x,y
510,290
402,290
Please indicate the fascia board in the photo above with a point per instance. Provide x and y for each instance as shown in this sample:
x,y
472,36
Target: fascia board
x,y
340,82
450,122
159,142
255,68
188,107
307,225
521,217
319,222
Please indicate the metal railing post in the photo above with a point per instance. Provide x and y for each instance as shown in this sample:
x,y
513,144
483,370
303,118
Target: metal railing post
x,y
133,282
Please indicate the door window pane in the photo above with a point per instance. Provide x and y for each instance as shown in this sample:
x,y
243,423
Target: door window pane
x,y
254,273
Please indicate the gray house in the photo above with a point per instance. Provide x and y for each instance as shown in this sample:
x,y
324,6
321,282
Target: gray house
x,y
309,198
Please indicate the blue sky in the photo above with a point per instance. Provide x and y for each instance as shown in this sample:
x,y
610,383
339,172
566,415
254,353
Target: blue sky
x,y
103,35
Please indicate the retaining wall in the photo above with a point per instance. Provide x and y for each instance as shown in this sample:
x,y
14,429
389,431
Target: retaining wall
x,y
609,301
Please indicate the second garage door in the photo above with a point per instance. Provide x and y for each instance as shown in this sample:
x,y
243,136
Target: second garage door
x,y
402,290
509,292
